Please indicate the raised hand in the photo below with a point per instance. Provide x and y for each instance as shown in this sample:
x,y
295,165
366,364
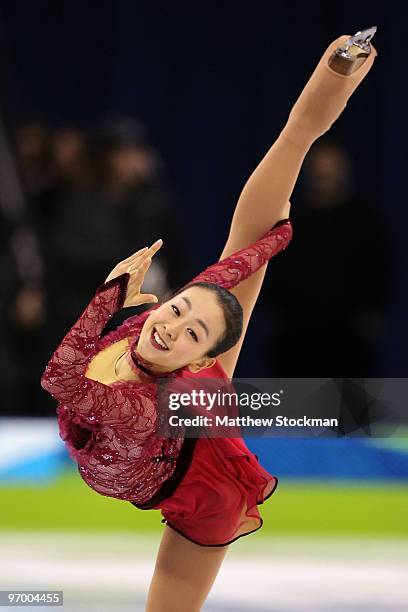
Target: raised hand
x,y
136,265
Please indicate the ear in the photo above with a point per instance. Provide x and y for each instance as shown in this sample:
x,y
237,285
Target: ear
x,y
205,362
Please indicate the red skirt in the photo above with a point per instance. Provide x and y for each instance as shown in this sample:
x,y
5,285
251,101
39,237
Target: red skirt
x,y
217,500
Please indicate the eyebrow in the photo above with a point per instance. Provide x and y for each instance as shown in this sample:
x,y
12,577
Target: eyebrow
x,y
199,321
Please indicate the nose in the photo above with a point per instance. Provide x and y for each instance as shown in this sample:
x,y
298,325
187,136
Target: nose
x,y
172,330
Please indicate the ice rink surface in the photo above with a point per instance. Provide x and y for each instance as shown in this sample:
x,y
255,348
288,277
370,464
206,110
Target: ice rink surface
x,y
111,572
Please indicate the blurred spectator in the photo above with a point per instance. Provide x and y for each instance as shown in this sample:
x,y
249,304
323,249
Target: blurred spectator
x,y
8,367
69,155
110,199
52,163
325,310
22,299
34,155
93,199
131,174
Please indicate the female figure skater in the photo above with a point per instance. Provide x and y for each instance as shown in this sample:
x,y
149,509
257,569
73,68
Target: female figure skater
x,y
207,489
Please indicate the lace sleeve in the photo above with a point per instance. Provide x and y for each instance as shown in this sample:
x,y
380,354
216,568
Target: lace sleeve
x,y
232,270
64,377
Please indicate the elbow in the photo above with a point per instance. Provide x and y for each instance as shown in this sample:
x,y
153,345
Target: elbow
x,y
287,232
46,383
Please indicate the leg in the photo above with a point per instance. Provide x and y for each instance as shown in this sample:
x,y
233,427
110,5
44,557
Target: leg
x,y
265,197
184,574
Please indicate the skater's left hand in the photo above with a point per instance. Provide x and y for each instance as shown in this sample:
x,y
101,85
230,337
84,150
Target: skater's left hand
x,y
137,266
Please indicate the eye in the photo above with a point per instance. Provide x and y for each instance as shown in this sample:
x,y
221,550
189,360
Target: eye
x,y
175,310
192,334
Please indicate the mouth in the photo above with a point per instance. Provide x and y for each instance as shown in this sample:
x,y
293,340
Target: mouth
x,y
157,341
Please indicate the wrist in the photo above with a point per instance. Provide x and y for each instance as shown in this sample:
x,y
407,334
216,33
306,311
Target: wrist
x,y
120,282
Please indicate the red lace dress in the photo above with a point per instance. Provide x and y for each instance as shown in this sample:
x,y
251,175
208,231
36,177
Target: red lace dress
x,y
208,489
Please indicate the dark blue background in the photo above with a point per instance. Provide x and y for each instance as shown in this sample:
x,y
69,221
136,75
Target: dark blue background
x,y
215,84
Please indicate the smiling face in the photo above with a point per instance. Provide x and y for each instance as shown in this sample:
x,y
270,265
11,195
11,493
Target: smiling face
x,y
182,331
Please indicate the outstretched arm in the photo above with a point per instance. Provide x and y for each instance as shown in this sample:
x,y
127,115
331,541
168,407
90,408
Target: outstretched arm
x,y
230,271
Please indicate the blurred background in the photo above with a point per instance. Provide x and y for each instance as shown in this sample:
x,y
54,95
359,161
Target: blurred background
x,y
132,121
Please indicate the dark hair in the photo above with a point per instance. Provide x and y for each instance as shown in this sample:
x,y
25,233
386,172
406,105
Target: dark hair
x,y
233,315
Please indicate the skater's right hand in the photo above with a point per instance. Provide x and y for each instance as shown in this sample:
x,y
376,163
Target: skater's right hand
x,y
136,265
